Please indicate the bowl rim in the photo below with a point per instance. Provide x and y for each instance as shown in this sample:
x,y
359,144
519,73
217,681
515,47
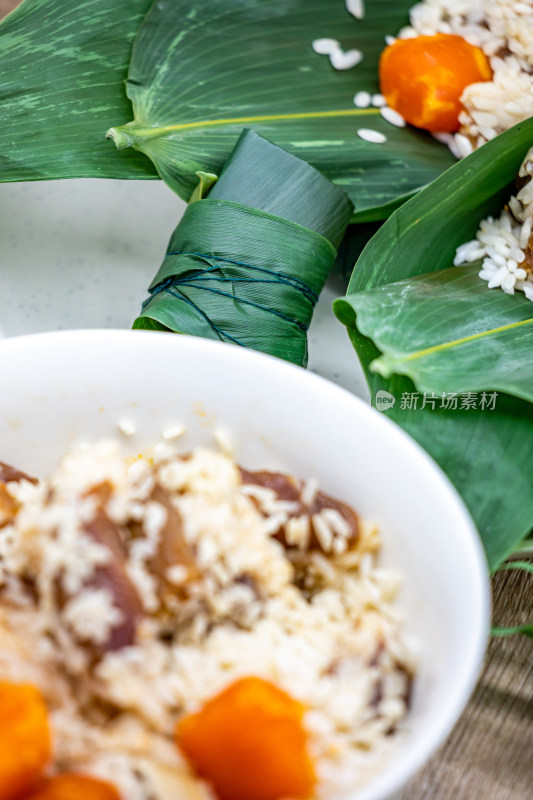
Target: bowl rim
x,y
397,774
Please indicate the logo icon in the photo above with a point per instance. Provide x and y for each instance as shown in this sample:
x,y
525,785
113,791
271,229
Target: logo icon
x,y
384,400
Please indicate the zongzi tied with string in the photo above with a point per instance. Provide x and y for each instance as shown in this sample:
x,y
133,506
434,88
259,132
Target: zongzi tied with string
x,y
247,263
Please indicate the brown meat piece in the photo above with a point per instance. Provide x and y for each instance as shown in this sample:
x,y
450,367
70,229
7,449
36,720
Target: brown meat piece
x,y
173,549
8,504
288,488
113,574
9,473
285,486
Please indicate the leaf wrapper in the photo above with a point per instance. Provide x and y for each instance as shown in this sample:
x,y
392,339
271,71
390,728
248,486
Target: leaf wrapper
x,y
237,271
257,290
447,332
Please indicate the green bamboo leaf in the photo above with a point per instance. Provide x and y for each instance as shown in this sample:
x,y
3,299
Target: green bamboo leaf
x,y
62,69
488,454
202,72
448,332
355,240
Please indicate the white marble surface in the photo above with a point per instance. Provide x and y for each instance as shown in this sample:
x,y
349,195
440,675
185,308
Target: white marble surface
x,y
81,253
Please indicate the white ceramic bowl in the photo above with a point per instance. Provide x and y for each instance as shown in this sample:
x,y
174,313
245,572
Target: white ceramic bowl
x,y
59,388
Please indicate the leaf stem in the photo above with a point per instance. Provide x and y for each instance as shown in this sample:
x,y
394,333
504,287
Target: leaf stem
x,y
387,364
121,135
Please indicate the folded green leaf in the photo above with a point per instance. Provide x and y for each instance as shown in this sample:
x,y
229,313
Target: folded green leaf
x,y
448,332
265,177
62,69
488,454
202,72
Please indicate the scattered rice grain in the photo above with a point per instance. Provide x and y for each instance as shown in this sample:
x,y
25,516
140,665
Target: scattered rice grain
x,y
127,427
325,46
362,99
224,441
345,59
173,432
356,8
369,135
309,492
392,116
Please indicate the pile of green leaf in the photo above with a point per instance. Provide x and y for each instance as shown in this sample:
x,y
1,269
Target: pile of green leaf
x,y
197,74
424,328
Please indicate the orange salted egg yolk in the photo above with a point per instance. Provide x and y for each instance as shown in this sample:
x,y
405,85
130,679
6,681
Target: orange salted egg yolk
x,y
71,786
423,78
25,739
249,743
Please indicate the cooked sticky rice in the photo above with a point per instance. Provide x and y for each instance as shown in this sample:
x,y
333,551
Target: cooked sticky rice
x,y
505,244
133,591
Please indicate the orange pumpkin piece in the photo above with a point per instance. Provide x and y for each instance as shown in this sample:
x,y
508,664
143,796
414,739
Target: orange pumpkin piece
x,y
25,743
249,743
423,78
71,786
